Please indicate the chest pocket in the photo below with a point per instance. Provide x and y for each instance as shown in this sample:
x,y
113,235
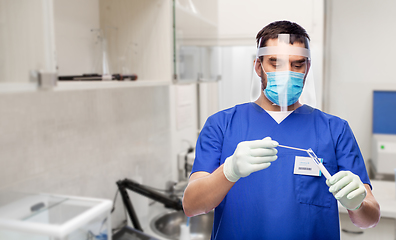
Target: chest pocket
x,y
313,189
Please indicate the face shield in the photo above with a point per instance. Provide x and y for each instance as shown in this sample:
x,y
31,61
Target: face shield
x,y
283,66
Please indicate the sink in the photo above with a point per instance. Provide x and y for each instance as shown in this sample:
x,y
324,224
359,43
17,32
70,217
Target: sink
x,y
167,225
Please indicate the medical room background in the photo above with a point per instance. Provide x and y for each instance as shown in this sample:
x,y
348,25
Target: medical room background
x,y
182,60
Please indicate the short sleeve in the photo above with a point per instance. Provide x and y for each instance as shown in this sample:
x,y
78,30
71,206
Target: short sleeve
x,y
349,157
209,146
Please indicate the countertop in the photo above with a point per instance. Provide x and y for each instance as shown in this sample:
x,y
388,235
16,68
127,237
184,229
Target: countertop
x,y
384,193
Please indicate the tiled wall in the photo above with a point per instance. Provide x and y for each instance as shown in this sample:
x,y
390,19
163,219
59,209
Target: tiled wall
x,y
81,142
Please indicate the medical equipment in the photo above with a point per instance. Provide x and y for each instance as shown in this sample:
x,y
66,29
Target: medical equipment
x,y
136,231
313,156
49,216
172,202
384,135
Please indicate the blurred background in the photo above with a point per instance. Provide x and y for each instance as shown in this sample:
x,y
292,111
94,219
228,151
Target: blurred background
x,y
191,58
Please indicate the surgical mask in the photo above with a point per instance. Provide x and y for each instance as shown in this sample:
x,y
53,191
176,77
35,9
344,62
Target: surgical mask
x,y
284,82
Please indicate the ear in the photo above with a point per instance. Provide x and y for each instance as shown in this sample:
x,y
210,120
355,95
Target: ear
x,y
257,66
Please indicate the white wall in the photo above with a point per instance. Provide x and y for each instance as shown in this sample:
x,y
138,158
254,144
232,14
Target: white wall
x,y
359,59
241,20
82,142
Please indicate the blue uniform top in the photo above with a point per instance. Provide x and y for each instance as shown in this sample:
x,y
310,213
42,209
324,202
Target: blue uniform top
x,y
275,203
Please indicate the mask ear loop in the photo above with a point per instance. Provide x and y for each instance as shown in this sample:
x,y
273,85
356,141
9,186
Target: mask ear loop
x,y
267,83
263,68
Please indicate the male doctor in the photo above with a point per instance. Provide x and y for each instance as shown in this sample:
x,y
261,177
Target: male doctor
x,y
262,191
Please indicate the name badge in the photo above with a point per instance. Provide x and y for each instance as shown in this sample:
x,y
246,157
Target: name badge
x,y
306,166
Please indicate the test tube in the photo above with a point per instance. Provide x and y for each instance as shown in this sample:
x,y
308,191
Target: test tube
x,y
319,163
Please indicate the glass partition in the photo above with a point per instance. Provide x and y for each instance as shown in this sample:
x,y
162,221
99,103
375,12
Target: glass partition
x,y
196,54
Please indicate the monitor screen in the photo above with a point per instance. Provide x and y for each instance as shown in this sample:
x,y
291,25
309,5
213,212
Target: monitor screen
x,y
384,112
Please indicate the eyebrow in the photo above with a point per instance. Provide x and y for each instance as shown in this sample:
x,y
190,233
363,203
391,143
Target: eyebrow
x,y
300,61
295,61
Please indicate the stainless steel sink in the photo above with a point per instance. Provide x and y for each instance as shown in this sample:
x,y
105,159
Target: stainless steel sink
x,y
167,225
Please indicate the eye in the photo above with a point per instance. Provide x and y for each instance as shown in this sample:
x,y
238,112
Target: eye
x,y
298,65
273,62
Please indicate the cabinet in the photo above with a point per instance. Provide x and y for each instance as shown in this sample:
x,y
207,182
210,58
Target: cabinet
x,y
139,37
94,36
26,40
384,193
385,230
104,36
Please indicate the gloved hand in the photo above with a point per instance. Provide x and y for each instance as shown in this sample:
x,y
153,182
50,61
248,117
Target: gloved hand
x,y
347,188
250,156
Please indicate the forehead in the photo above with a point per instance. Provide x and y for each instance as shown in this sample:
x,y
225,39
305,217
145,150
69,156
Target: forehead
x,y
285,47
274,42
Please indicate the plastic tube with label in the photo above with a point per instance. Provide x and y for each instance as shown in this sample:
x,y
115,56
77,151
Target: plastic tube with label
x,y
319,163
314,158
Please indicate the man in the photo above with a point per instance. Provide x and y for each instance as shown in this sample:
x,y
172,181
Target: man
x,y
261,192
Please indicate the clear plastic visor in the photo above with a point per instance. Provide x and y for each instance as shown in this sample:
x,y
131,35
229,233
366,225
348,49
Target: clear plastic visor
x,y
283,64
284,58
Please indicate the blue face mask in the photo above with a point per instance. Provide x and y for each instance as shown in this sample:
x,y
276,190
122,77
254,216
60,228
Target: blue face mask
x,y
281,83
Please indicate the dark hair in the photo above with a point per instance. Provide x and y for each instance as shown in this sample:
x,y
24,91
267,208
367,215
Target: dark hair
x,y
272,30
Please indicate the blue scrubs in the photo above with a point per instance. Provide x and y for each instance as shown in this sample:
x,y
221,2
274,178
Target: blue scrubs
x,y
275,203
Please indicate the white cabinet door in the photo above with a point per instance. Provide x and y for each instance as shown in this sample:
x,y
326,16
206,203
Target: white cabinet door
x,y
384,230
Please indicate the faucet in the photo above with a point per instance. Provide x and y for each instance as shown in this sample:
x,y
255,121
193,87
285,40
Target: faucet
x,y
176,189
172,201
185,164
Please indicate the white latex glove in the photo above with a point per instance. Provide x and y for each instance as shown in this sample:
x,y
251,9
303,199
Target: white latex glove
x,y
250,156
348,189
